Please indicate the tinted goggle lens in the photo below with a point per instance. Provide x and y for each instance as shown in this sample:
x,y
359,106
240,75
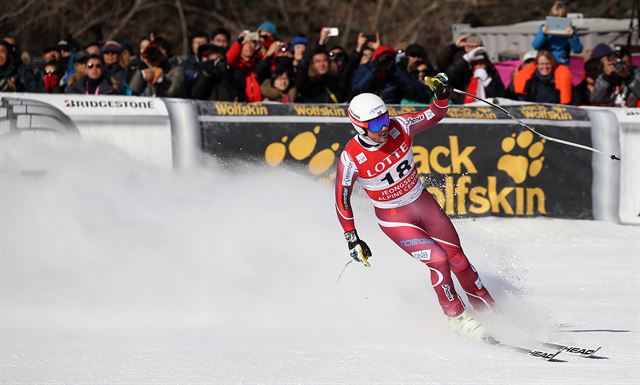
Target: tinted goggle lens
x,y
376,124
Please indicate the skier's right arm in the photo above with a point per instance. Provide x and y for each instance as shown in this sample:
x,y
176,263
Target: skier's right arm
x,y
346,175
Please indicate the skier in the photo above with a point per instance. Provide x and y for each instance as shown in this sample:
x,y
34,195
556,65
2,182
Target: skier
x,y
381,159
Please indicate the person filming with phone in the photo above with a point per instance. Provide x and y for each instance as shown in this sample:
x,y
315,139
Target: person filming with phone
x,y
557,35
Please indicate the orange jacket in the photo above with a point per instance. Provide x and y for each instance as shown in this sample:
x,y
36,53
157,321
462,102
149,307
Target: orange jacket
x,y
561,76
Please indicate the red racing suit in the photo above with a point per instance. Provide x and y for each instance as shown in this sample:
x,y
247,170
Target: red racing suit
x,y
406,211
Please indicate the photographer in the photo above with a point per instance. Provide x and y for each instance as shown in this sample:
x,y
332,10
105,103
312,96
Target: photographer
x,y
215,79
160,78
619,83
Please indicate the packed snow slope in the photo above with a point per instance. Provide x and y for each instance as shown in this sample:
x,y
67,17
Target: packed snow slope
x,y
116,272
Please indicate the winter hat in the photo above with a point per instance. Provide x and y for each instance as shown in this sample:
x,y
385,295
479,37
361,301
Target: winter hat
x,y
530,55
415,50
268,26
298,40
81,57
382,50
7,45
601,50
208,49
111,46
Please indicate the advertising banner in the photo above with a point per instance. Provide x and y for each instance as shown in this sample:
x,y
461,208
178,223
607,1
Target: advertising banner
x,y
476,162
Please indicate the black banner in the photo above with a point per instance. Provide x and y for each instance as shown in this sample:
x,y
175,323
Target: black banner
x,y
474,167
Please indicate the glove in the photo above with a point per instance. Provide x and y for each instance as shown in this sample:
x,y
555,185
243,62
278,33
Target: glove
x,y
439,85
358,250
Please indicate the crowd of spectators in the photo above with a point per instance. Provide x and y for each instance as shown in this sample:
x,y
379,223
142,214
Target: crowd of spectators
x,y
260,65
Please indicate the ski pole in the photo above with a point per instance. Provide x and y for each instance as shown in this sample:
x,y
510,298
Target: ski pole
x,y
338,279
612,156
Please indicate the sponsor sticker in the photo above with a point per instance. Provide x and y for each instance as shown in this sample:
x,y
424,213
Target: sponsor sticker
x,y
447,292
416,241
394,133
478,283
422,255
429,114
361,158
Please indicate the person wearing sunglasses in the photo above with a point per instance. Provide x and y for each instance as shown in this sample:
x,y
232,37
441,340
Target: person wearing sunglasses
x,y
94,82
380,159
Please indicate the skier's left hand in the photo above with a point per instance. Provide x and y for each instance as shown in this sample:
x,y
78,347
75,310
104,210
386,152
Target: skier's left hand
x,y
358,249
439,84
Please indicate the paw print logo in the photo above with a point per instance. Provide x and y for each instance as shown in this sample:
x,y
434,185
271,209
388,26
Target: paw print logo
x,y
300,148
528,162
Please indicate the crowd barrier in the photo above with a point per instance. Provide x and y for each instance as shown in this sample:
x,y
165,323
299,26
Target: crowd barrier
x,y
477,161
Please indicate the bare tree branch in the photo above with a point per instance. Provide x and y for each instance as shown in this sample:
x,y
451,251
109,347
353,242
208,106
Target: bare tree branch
x,y
125,20
17,13
183,27
285,15
227,23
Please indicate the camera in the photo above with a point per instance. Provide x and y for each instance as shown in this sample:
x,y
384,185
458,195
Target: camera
x,y
618,62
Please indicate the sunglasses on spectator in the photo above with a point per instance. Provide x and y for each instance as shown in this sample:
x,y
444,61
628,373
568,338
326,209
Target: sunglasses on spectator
x,y
111,52
50,72
94,65
336,55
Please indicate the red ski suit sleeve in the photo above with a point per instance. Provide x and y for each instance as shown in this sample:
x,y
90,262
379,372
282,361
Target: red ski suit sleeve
x,y
347,170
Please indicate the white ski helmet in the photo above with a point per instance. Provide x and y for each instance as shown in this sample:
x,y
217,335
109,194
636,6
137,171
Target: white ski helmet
x,y
368,112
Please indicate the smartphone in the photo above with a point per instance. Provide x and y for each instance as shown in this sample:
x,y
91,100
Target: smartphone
x,y
334,32
371,37
558,25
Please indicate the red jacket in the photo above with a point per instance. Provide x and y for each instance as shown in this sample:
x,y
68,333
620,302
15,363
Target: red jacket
x,y
236,61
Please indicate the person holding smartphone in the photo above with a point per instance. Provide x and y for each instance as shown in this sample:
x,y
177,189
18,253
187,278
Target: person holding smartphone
x,y
559,45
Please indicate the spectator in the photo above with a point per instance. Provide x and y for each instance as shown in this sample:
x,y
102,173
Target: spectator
x,y
137,62
215,79
191,64
367,52
267,62
559,45
337,59
92,48
298,46
582,92
390,81
314,82
114,70
50,54
268,33
243,56
14,75
280,88
619,83
80,66
160,78
527,58
544,81
221,37
94,82
52,78
484,81
415,59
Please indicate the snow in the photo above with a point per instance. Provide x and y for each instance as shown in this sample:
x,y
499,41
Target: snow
x,y
116,272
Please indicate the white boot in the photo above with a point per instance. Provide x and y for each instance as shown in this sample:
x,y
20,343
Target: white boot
x,y
466,325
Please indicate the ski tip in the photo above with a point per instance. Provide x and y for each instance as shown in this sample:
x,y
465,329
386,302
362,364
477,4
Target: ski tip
x,y
615,157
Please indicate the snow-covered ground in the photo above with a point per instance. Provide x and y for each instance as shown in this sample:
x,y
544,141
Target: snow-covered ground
x,y
116,272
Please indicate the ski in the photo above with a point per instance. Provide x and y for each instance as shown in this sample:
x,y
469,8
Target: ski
x,y
547,356
575,350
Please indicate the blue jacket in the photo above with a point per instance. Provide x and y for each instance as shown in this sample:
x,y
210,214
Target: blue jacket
x,y
560,46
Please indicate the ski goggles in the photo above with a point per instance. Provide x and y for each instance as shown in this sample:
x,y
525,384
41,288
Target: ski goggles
x,y
376,124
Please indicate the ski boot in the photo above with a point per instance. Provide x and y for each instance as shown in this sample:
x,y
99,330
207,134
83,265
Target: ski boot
x,y
466,325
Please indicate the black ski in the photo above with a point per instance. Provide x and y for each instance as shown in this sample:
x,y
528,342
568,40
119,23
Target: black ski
x,y
575,350
545,355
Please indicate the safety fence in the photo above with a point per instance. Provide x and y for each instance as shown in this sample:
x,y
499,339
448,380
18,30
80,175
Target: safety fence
x,y
477,161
